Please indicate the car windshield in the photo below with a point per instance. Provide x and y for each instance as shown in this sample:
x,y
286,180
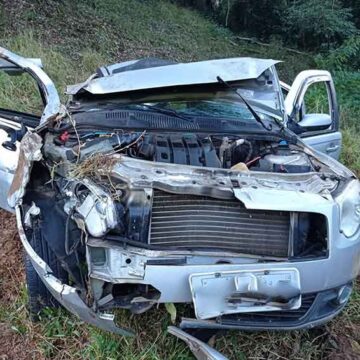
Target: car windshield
x,y
207,103
212,108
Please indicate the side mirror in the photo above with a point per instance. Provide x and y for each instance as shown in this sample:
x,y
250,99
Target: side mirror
x,y
12,69
315,122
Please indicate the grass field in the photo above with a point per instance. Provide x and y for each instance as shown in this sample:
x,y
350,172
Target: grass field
x,y
73,38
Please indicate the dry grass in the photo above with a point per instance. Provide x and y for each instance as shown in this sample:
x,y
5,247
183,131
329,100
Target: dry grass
x,y
94,167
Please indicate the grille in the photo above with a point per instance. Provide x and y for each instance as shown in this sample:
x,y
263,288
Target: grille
x,y
273,316
198,222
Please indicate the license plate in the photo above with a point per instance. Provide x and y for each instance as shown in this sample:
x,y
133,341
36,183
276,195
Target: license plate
x,y
230,292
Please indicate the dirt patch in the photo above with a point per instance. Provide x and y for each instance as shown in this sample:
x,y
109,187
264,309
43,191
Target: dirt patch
x,y
14,346
11,259
345,340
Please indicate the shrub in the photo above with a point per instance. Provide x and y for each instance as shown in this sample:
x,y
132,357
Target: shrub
x,y
345,57
314,24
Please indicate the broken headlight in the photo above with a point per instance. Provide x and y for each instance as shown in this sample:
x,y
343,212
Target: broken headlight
x,y
349,202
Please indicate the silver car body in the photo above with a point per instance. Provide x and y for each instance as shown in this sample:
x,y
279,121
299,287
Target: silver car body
x,y
203,72
176,281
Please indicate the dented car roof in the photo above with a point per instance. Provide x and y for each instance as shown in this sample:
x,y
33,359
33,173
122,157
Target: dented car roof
x,y
157,76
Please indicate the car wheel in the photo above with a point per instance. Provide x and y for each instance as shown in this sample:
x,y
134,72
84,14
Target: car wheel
x,y
39,296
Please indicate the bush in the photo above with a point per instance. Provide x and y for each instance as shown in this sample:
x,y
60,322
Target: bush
x,y
355,6
309,24
345,57
313,24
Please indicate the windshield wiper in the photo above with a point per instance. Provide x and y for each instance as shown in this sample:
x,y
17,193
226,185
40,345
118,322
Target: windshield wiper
x,y
155,108
250,108
165,111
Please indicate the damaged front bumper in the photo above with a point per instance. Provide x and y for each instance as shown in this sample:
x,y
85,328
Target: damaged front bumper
x,y
66,295
326,305
169,272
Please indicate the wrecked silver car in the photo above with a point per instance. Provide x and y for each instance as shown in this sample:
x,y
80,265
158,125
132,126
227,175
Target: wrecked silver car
x,y
197,183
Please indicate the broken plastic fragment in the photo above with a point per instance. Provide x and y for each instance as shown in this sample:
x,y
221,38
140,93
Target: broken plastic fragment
x,y
200,350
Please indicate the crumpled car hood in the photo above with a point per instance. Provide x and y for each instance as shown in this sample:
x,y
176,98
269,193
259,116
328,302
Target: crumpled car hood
x,y
196,73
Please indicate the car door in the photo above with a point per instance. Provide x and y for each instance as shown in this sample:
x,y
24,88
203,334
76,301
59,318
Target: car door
x,y
14,120
311,103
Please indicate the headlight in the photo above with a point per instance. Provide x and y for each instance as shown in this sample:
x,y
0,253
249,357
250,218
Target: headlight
x,y
349,202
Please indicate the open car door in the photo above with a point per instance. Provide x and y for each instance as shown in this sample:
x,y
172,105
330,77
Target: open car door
x,y
14,124
311,104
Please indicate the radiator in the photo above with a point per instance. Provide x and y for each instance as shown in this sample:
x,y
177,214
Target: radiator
x,y
203,223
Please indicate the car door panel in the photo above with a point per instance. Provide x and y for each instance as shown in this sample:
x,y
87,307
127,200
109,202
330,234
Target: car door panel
x,y
8,164
328,141
12,121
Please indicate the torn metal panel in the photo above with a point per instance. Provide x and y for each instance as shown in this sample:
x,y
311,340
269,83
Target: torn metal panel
x,y
30,151
66,295
196,73
74,89
200,350
22,159
47,87
295,201
210,181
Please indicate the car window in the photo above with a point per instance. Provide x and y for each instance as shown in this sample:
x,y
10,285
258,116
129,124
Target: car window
x,y
20,93
316,99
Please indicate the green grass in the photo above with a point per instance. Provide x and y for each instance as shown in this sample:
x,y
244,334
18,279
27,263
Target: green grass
x,y
73,38
59,335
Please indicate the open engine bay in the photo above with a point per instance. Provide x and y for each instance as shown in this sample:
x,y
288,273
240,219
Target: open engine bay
x,y
234,152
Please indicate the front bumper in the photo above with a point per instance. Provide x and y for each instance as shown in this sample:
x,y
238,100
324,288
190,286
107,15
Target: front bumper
x,y
323,277
322,308
66,295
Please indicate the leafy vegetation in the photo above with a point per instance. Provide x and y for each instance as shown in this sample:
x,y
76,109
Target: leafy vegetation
x,y
310,24
313,24
73,38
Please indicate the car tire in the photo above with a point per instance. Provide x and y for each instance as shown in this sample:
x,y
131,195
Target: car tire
x,y
39,296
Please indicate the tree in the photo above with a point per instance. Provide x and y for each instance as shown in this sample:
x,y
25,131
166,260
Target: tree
x,y
261,18
309,24
354,5
314,24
